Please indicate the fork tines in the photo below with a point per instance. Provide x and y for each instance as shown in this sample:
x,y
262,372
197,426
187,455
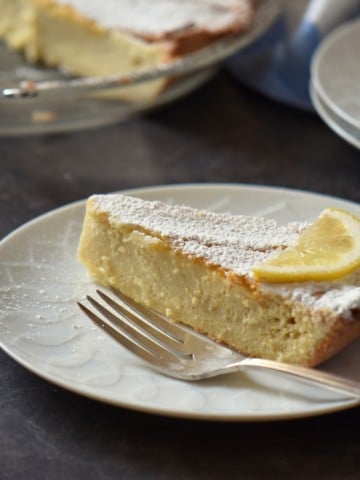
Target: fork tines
x,y
150,335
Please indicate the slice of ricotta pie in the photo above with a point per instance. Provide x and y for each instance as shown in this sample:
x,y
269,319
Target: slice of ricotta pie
x,y
196,267
102,37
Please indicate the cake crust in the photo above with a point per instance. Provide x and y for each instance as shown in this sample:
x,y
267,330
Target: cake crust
x,y
195,267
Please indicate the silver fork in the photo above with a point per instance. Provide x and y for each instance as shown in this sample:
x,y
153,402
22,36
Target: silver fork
x,y
179,352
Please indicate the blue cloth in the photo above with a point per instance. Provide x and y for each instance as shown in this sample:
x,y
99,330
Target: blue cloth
x,y
278,63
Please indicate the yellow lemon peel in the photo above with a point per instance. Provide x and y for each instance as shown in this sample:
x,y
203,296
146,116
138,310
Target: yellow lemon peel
x,y
327,250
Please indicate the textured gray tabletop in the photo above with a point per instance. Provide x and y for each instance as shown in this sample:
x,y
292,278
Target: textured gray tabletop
x,y
222,133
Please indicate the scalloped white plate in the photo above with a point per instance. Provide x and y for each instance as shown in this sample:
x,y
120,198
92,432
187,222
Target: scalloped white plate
x,y
42,328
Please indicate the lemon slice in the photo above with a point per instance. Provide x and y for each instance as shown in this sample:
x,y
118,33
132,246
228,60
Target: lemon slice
x,y
327,250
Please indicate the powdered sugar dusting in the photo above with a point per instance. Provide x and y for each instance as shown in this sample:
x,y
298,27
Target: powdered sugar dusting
x,y
163,17
236,243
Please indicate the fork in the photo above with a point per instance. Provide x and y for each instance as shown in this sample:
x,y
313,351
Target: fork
x,y
179,352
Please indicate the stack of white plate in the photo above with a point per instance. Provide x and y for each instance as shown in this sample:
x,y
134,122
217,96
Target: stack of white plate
x,y
335,81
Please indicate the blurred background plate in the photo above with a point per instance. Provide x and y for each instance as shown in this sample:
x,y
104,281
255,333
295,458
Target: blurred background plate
x,y
344,129
336,73
63,107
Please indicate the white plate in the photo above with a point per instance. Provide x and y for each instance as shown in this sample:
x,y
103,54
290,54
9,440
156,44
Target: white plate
x,y
42,328
346,131
335,72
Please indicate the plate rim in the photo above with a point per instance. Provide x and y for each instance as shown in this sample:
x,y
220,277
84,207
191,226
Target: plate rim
x,y
88,392
181,186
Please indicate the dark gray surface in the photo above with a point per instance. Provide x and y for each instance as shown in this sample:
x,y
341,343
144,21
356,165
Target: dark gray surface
x,y
223,133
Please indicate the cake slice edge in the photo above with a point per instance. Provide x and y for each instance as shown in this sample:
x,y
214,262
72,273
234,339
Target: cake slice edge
x,y
150,266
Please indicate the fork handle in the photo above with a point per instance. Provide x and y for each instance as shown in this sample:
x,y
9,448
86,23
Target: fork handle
x,y
326,380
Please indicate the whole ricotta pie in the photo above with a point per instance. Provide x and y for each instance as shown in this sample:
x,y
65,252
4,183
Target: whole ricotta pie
x,y
196,268
102,37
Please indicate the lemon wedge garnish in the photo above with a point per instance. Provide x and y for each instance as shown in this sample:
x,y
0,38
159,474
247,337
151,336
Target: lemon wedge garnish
x,y
327,250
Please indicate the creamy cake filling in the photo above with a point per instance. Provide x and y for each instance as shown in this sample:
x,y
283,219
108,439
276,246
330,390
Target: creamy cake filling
x,y
234,242
196,268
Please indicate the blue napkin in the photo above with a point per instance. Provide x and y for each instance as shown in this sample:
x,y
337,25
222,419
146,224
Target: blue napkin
x,y
278,63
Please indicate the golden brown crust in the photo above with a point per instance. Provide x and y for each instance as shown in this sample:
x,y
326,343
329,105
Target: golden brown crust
x,y
343,333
